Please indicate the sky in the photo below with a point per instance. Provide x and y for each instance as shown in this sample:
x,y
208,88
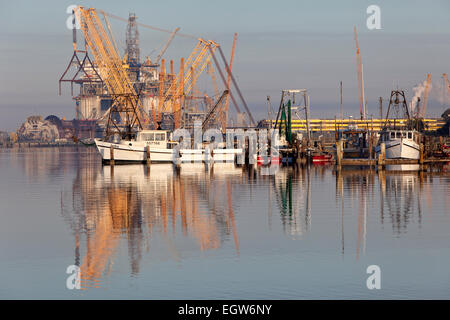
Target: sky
x,y
281,44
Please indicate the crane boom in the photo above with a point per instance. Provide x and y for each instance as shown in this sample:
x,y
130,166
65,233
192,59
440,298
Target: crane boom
x,y
423,110
227,102
213,110
446,84
162,83
184,82
126,101
148,26
360,78
210,70
172,35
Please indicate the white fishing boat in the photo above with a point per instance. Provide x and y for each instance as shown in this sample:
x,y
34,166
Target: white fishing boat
x,y
160,149
401,141
400,144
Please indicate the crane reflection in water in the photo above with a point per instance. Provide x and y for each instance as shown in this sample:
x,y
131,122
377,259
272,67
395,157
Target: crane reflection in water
x,y
133,206
134,202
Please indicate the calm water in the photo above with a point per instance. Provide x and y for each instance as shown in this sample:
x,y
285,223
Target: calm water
x,y
220,233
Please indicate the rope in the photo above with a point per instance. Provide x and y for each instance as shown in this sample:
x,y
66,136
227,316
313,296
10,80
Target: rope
x,y
185,35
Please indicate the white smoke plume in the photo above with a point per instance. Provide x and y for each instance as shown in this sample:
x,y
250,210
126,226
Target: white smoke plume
x,y
440,92
418,93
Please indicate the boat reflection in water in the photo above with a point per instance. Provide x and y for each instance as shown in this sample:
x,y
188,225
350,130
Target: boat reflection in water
x,y
292,189
401,196
397,200
403,167
161,212
132,203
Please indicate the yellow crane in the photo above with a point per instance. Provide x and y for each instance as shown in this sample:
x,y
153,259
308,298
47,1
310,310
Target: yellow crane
x,y
184,82
172,35
112,70
162,85
126,102
227,102
423,109
210,70
359,69
446,84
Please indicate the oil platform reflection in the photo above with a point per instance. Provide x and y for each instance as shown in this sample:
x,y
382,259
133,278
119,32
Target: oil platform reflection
x,y
133,203
131,210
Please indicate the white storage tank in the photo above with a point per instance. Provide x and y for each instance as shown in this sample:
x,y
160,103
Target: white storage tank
x,y
89,108
149,102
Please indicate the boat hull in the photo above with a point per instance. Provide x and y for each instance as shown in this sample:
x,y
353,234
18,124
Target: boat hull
x,y
266,160
130,154
401,149
322,158
123,153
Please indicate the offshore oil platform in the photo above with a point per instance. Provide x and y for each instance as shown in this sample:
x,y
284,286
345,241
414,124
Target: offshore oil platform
x,y
123,93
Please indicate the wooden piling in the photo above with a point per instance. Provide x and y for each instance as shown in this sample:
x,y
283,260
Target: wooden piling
x,y
380,162
111,155
147,155
339,151
421,160
382,156
421,154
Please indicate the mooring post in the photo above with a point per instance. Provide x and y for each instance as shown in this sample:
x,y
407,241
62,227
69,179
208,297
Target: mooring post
x,y
147,155
422,167
339,152
111,155
373,143
372,140
421,153
381,156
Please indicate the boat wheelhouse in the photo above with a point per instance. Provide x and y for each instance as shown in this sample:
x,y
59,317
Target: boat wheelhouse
x,y
400,144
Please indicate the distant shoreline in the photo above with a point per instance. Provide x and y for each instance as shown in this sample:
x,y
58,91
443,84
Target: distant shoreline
x,y
29,145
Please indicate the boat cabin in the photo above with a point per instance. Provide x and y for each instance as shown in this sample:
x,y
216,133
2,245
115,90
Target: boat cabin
x,y
391,135
354,138
153,138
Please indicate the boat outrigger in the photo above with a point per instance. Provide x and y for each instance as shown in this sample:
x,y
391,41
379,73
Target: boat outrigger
x,y
401,141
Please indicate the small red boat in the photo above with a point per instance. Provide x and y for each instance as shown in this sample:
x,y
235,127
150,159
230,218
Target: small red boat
x,y
264,160
322,157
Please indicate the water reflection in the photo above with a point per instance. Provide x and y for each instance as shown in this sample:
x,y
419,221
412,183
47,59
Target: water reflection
x,y
134,202
399,194
45,163
398,200
199,209
292,188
